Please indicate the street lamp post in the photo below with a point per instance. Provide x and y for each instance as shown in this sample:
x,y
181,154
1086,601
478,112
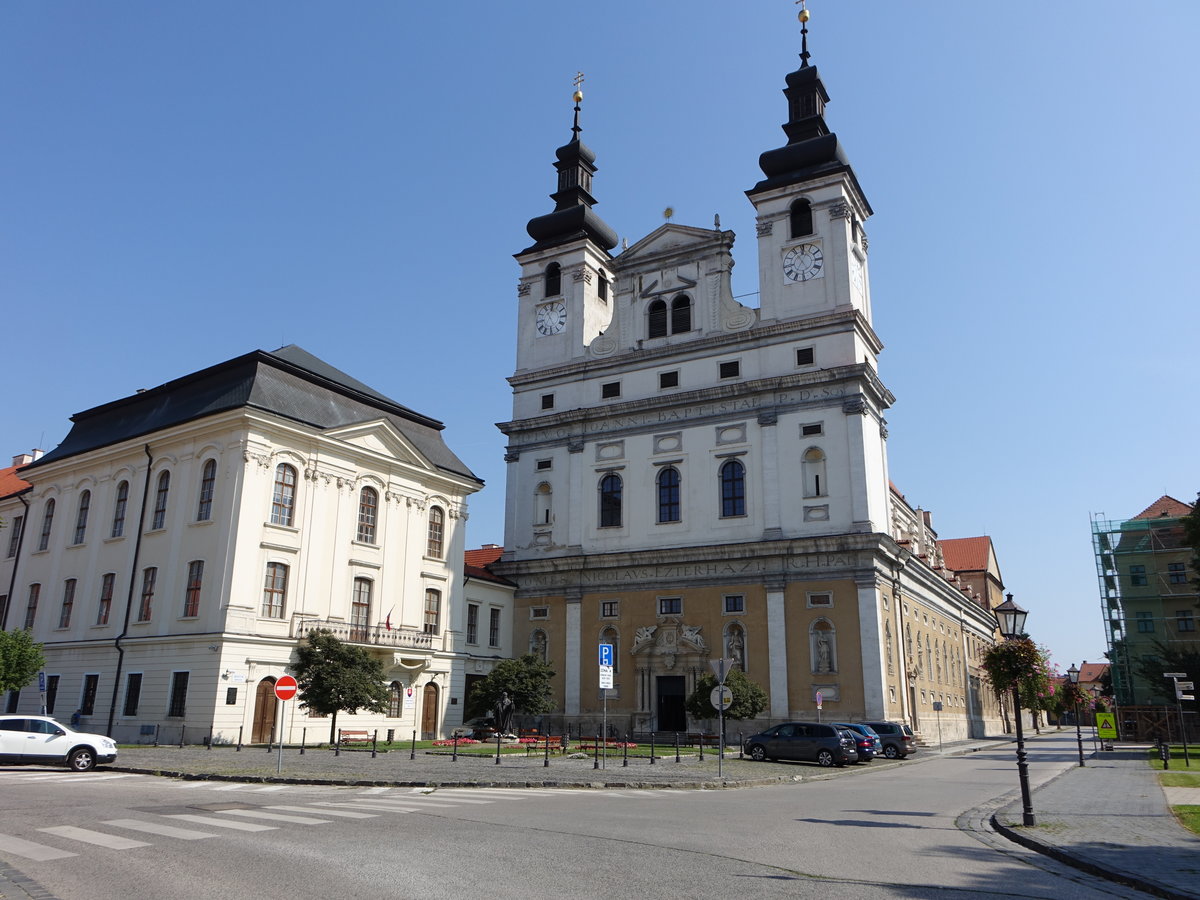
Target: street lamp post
x,y
1011,619
1073,674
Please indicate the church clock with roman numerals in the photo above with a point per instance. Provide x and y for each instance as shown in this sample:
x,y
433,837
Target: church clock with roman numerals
x,y
803,263
551,318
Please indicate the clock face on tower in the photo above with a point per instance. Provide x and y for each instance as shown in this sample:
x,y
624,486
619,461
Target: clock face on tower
x,y
802,263
551,318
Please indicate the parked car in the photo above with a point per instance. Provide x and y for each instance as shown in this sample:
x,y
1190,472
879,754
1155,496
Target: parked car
x,y
41,739
481,728
823,744
869,745
897,738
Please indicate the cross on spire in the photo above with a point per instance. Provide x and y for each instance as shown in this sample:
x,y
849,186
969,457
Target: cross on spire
x,y
803,16
578,97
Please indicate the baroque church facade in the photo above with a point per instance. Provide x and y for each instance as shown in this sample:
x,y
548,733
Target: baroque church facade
x,y
690,478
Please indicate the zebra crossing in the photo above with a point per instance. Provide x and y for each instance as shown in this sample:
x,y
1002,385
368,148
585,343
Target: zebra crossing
x,y
205,823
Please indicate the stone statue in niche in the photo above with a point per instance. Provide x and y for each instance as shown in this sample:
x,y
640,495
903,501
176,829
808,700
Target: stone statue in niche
x,y
539,645
824,652
735,647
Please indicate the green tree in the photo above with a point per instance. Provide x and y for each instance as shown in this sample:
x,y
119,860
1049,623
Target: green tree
x,y
336,677
749,699
1168,658
1023,666
20,659
528,681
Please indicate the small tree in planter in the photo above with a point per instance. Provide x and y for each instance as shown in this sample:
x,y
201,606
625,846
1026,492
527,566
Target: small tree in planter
x,y
749,699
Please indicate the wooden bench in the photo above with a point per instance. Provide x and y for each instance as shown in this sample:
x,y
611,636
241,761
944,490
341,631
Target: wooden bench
x,y
541,742
354,737
708,740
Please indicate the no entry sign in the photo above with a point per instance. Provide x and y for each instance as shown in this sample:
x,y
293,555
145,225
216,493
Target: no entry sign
x,y
285,688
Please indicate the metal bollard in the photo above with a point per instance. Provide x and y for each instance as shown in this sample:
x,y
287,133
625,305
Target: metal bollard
x,y
546,760
625,757
156,735
454,755
210,736
182,732
702,746
375,743
413,754
652,748
498,738
303,739
677,746
741,747
337,745
596,753
239,746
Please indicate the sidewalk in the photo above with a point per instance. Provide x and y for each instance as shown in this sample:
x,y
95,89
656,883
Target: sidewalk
x,y
1111,819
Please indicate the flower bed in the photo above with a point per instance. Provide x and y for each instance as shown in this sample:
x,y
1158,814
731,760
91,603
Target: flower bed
x,y
450,742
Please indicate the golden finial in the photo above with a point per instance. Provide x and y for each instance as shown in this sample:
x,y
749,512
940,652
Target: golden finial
x,y
577,82
803,16
668,213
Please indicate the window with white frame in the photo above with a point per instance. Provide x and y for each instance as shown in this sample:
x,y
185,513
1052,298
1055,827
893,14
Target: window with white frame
x,y
472,623
435,545
118,522
146,603
161,493
208,483
433,610
493,627
47,525
81,517
283,497
275,590
368,510
191,595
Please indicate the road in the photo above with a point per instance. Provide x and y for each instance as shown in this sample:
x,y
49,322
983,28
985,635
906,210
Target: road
x,y
895,832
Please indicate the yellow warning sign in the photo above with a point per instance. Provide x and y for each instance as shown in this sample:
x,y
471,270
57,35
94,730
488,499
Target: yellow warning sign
x,y
1106,725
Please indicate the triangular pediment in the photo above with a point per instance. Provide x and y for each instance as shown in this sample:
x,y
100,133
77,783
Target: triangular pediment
x,y
669,239
380,436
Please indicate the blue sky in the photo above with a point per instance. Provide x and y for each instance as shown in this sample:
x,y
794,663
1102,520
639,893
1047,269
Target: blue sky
x,y
183,182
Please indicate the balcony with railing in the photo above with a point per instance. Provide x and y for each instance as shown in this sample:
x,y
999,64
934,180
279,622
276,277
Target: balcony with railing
x,y
369,635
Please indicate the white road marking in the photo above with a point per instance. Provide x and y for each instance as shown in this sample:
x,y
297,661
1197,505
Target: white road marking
x,y
233,787
272,789
99,838
391,809
31,850
382,790
161,830
326,812
274,817
418,801
222,823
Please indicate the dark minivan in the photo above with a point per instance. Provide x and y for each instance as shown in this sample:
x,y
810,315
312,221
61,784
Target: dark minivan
x,y
897,738
808,741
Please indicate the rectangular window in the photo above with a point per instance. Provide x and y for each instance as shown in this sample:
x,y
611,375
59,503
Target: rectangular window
x,y
133,693
68,604
14,538
602,287
610,390
47,525
547,401
820,600
275,590
87,705
1137,575
668,380
191,597
208,483
812,430
178,704
1184,621
544,464
804,356
433,610
146,606
106,595
85,503
118,525
670,606
493,628
1176,573
35,591
539,612
51,693
231,696
472,623
159,519
731,369
735,603
360,610
610,609
1145,623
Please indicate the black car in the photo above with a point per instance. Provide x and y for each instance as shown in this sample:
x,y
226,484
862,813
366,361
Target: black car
x,y
869,744
897,738
816,742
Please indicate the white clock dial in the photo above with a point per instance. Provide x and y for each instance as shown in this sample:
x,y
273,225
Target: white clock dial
x,y
803,263
551,318
856,277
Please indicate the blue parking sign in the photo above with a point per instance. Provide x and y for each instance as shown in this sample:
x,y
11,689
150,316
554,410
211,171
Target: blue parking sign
x,y
606,654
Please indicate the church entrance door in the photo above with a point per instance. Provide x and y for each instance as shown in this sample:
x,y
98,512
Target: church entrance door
x,y
671,713
263,728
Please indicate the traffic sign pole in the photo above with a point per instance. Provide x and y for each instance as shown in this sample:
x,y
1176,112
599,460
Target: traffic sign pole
x,y
285,689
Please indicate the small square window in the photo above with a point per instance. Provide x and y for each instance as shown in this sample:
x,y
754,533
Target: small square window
x,y
547,401
668,380
735,603
810,430
1184,621
544,464
1137,575
609,609
804,356
731,369
823,600
539,612
610,390
670,606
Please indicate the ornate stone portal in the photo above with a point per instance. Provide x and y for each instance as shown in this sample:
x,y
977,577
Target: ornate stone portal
x,y
669,648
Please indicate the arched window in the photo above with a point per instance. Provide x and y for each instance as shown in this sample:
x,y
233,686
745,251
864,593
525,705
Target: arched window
x,y
553,280
813,466
395,700
360,610
610,635
47,525
733,489
118,525
668,495
681,314
159,519
368,507
656,319
800,217
610,500
283,498
539,646
275,591
542,504
437,528
85,503
208,481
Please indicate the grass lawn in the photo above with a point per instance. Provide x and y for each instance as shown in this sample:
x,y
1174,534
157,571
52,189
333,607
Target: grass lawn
x,y
1179,779
1189,816
1176,756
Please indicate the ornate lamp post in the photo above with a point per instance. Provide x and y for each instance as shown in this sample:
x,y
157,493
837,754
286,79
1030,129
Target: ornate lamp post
x,y
1073,674
1011,619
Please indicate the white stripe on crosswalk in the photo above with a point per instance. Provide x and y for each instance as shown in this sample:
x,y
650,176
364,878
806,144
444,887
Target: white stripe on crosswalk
x,y
222,823
326,812
99,838
232,787
433,798
268,790
159,829
374,806
490,792
31,850
274,817
412,801
376,790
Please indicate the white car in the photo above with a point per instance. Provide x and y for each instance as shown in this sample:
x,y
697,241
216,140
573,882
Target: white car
x,y
41,739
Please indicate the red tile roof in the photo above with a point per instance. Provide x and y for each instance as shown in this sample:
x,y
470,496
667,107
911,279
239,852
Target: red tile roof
x,y
1165,507
484,556
1091,672
966,554
11,483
